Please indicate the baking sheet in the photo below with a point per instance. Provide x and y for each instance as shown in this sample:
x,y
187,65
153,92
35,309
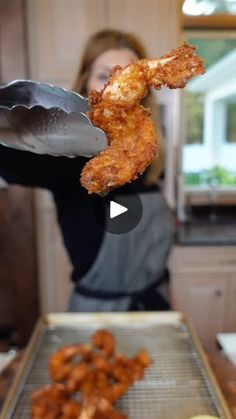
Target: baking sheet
x,y
178,385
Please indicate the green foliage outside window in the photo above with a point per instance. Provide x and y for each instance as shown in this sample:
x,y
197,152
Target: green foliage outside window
x,y
195,110
218,175
231,123
212,50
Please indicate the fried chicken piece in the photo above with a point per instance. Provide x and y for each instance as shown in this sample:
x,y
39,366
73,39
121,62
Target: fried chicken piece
x,y
97,407
61,363
130,131
104,340
143,358
129,370
48,401
71,410
77,376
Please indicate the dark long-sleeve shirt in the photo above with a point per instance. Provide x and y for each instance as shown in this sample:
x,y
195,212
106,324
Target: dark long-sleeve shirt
x,y
76,210
82,232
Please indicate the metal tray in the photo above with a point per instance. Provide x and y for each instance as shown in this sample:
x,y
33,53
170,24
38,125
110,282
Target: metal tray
x,y
178,385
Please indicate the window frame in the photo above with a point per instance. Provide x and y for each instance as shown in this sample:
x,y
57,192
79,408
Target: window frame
x,y
222,21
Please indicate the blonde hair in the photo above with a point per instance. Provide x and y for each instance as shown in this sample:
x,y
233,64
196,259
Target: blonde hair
x,y
115,39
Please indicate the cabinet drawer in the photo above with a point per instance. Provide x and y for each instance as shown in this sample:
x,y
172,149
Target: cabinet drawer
x,y
203,258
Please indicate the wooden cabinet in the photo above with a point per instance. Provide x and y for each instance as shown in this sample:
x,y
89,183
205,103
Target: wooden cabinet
x,y
19,306
54,264
204,288
231,299
202,297
58,30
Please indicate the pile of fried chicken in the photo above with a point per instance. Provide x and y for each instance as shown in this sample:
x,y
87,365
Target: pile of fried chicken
x,y
92,371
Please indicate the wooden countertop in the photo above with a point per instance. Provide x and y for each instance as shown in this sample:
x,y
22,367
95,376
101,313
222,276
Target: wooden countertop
x,y
225,373
206,234
224,370
7,377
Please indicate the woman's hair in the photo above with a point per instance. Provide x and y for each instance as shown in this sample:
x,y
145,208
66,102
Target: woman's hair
x,y
97,45
114,39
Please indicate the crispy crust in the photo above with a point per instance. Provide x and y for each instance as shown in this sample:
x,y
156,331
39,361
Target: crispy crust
x,y
130,131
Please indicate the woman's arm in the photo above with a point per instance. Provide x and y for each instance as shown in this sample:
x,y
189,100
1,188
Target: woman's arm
x,y
25,168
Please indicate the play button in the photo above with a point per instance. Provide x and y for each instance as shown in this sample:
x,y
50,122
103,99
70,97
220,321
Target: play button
x,y
116,209
122,212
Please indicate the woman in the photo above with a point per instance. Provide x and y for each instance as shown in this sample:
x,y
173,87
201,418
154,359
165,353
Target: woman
x,y
112,272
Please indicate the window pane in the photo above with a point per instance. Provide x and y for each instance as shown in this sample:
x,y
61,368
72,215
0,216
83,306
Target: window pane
x,y
231,123
210,114
194,128
209,7
212,50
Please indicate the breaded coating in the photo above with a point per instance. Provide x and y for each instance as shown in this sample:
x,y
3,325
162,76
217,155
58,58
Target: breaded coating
x,y
132,136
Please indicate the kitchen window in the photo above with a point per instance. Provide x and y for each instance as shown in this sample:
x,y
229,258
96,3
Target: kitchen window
x,y
209,149
210,106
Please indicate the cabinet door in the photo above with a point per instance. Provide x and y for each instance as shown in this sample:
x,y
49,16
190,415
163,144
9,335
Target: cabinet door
x,y
230,322
19,306
58,30
156,22
54,264
202,298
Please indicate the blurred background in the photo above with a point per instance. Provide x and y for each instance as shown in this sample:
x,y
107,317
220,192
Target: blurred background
x,y
43,40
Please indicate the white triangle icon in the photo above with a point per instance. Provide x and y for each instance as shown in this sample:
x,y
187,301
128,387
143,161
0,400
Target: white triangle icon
x,y
116,209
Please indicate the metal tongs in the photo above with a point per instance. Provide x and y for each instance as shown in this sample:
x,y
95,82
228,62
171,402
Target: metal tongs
x,y
47,119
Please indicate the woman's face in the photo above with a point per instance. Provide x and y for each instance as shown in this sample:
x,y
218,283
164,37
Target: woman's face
x,y
103,64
